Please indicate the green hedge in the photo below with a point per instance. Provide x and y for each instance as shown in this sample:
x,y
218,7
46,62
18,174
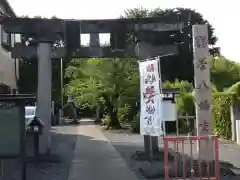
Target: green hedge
x,y
186,106
220,112
221,103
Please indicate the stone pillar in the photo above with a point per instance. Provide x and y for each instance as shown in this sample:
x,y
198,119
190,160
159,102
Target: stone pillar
x,y
237,129
202,80
44,93
203,92
94,40
95,45
235,121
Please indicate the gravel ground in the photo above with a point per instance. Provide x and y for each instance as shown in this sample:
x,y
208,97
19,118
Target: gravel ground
x,y
63,145
127,144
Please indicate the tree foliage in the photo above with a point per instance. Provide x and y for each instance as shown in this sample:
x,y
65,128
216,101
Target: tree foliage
x,y
224,73
181,66
221,114
113,82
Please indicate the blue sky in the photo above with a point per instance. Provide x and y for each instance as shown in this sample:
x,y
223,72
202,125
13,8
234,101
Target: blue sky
x,y
221,14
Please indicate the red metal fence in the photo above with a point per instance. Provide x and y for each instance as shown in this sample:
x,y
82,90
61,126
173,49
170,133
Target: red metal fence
x,y
191,157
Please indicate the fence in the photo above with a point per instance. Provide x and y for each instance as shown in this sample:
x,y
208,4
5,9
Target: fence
x,y
191,157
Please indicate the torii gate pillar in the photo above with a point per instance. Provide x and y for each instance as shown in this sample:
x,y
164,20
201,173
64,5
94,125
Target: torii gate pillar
x,y
44,93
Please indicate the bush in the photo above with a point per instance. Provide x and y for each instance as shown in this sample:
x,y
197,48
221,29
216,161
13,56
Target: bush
x,y
221,114
221,121
105,120
182,85
186,104
124,113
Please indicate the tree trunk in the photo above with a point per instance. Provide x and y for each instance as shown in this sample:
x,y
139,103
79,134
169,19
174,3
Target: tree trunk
x,y
98,118
114,123
112,113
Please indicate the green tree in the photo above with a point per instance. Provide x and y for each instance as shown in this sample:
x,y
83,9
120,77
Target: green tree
x,y
224,73
114,82
182,85
28,69
176,67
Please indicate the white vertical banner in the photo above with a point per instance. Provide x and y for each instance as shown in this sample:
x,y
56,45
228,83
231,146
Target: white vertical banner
x,y
202,80
150,117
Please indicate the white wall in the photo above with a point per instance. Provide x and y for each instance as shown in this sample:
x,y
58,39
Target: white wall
x,y
7,67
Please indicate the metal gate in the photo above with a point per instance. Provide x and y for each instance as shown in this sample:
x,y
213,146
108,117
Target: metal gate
x,y
191,157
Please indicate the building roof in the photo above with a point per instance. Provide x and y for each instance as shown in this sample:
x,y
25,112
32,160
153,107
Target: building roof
x,y
7,8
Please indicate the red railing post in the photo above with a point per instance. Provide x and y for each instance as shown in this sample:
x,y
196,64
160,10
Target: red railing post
x,y
216,154
203,169
166,165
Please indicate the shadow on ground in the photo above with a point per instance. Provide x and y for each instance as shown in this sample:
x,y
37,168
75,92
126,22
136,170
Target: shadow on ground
x,y
130,146
80,121
56,167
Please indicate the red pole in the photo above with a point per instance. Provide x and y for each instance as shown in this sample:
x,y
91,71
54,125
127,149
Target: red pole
x,y
166,158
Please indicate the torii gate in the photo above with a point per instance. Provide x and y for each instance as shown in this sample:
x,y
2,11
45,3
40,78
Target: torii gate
x,y
47,31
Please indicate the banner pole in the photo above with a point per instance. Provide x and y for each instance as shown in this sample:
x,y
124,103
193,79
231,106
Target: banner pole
x,y
161,91
151,149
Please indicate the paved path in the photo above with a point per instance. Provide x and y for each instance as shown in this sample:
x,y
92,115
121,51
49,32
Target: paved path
x,y
127,144
62,145
95,157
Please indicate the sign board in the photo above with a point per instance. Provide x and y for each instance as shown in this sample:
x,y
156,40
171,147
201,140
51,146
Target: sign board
x,y
150,117
9,129
169,111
